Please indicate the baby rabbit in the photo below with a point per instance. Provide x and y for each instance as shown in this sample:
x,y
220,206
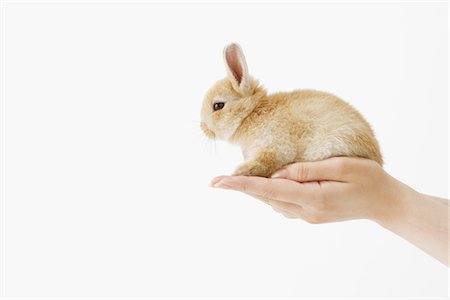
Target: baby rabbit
x,y
282,128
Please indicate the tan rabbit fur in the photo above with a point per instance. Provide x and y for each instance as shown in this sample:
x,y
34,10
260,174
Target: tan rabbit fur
x,y
282,128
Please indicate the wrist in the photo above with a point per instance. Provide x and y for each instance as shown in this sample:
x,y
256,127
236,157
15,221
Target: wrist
x,y
393,203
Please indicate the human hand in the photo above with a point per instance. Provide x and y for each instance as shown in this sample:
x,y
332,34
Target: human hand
x,y
335,189
344,188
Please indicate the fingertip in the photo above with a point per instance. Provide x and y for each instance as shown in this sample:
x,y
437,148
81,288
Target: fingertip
x,y
232,182
219,181
216,179
279,174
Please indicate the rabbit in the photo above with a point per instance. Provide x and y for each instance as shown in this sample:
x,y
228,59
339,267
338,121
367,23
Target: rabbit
x,y
274,130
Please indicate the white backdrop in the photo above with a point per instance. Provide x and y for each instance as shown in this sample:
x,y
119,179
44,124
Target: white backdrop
x,y
105,171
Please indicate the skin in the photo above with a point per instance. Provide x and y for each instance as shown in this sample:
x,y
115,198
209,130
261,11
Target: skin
x,y
343,188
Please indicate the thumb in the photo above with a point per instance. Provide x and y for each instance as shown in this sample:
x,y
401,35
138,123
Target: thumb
x,y
332,169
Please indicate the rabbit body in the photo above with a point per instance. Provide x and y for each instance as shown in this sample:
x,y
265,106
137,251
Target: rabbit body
x,y
282,128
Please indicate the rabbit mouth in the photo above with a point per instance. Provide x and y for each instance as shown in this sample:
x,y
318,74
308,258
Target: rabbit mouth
x,y
208,132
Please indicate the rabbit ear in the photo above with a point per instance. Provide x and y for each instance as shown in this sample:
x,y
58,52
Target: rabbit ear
x,y
237,68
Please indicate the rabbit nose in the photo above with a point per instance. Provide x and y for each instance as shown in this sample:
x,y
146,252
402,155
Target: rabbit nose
x,y
208,132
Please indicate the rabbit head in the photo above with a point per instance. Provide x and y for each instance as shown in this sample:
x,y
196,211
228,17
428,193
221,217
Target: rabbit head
x,y
231,99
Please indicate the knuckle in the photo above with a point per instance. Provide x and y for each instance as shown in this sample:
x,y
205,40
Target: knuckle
x,y
301,171
244,186
267,191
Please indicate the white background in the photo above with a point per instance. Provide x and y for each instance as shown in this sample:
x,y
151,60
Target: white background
x,y
105,171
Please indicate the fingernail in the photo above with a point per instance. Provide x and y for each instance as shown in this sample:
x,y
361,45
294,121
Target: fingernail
x,y
220,185
216,179
279,174
217,185
215,182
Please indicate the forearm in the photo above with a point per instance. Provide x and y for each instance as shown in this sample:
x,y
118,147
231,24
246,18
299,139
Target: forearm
x,y
420,219
441,200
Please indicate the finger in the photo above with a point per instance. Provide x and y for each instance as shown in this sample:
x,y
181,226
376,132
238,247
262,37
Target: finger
x,y
277,189
278,207
215,180
289,216
286,208
334,169
285,213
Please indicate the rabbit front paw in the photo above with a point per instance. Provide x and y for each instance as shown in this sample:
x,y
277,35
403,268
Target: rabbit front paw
x,y
251,169
264,165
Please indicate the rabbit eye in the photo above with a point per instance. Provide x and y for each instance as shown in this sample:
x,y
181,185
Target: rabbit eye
x,y
218,105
